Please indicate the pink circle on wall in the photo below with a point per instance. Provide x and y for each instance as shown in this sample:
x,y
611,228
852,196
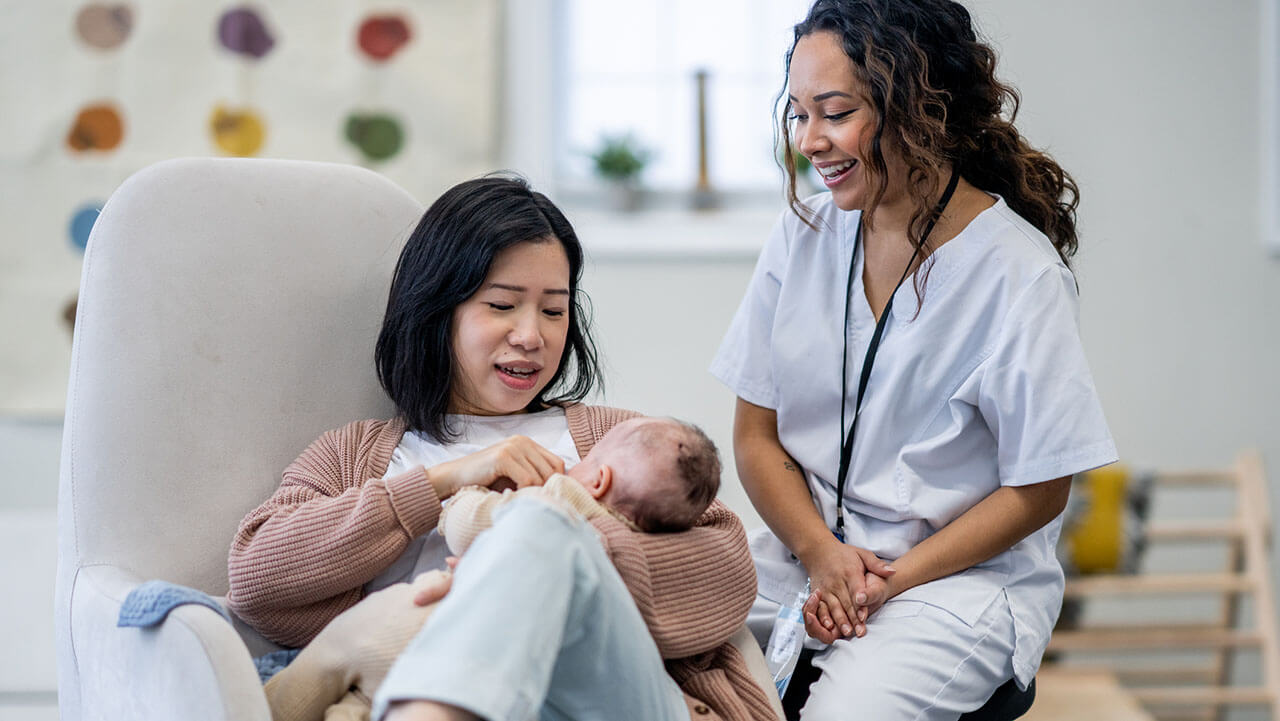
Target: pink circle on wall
x,y
104,27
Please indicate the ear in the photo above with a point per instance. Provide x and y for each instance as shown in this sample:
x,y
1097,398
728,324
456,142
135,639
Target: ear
x,y
601,482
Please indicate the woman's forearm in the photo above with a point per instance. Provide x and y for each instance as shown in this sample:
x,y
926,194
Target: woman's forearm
x,y
991,527
279,583
774,482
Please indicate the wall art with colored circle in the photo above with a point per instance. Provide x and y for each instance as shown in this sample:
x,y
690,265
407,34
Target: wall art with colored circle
x,y
93,91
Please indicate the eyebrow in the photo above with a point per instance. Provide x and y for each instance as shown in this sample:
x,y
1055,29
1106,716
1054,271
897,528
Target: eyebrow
x,y
823,96
522,289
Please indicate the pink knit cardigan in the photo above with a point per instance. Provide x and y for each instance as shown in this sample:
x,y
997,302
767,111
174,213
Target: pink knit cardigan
x,y
304,555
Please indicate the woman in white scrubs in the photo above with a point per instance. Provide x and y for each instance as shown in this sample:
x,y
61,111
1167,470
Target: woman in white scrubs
x,y
913,397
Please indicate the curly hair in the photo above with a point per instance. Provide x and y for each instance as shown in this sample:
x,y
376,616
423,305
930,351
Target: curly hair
x,y
933,87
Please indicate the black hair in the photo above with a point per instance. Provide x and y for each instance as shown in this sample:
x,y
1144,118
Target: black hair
x,y
444,262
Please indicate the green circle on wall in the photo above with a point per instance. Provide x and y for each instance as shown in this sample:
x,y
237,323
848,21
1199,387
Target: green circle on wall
x,y
377,136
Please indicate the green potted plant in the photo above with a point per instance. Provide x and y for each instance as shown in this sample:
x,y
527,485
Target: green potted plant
x,y
619,161
808,181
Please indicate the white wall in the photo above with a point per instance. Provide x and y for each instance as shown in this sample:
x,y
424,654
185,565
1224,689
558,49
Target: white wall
x,y
1154,106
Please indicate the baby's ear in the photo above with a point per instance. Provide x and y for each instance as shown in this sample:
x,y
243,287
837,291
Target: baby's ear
x,y
602,482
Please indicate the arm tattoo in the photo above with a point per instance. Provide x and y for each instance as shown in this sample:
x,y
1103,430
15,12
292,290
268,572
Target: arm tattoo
x,y
789,466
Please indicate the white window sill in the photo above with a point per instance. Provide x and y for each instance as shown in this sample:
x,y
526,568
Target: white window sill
x,y
666,234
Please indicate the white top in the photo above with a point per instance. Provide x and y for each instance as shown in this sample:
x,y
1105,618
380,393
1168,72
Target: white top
x,y
548,428
987,386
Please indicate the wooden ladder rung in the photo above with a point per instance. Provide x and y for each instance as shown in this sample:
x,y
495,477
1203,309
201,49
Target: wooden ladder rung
x,y
1195,531
1186,713
1159,583
1152,676
1203,696
1197,478
1182,673
1142,638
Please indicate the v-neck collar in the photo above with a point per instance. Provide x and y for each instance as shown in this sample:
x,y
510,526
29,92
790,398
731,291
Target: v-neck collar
x,y
942,264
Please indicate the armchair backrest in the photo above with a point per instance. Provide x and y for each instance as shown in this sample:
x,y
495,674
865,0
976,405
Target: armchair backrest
x,y
227,316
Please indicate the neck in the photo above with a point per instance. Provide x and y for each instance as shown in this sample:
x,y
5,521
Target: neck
x,y
891,221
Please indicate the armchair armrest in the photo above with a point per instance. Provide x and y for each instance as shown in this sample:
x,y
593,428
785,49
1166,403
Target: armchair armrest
x,y
759,669
192,666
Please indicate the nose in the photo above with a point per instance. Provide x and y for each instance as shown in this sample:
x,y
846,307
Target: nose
x,y
525,332
809,138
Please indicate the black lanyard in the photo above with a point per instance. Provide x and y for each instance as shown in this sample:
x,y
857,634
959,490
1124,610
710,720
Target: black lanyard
x,y
846,441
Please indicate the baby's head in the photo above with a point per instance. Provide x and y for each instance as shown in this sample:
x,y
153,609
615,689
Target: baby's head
x,y
659,472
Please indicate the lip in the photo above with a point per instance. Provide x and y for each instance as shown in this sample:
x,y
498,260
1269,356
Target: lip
x,y
519,383
836,179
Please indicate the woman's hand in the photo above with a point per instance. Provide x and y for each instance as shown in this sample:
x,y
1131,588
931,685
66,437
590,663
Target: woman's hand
x,y
878,591
516,460
838,577
817,619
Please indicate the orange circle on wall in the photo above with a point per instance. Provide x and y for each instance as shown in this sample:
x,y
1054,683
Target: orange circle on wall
x,y
97,127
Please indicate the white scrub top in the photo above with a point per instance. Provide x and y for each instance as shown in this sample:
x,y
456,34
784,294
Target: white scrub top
x,y
549,428
986,386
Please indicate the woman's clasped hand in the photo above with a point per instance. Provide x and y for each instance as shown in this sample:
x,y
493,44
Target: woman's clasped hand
x,y
848,584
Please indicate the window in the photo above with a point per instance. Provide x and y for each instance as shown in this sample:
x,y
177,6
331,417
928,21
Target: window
x,y
629,67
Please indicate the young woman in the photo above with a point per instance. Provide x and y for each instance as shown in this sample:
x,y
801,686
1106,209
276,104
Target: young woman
x,y
485,351
912,392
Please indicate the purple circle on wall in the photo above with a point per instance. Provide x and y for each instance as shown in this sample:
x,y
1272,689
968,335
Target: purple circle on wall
x,y
241,31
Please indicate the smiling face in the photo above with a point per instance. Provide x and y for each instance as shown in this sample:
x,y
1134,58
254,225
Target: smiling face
x,y
833,121
509,336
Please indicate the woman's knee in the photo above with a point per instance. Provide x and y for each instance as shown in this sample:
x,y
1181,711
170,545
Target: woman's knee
x,y
862,686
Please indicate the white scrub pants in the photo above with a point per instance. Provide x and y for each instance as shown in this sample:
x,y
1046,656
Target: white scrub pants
x,y
916,663
538,624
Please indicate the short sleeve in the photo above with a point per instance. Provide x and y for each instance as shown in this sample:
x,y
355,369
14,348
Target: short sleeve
x,y
743,362
1037,394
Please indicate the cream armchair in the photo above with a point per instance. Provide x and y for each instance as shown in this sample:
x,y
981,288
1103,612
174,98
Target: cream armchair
x,y
227,317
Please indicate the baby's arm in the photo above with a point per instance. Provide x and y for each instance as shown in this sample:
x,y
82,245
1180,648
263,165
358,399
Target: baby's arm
x,y
469,513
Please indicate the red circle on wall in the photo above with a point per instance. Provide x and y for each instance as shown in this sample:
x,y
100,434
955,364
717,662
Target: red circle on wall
x,y
381,36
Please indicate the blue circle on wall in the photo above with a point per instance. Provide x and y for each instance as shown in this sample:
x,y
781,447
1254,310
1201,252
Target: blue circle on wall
x,y
82,224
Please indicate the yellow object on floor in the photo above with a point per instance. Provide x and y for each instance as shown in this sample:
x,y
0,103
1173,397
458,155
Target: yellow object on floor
x,y
1096,540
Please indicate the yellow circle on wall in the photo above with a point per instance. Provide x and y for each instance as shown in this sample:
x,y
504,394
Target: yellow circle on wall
x,y
237,131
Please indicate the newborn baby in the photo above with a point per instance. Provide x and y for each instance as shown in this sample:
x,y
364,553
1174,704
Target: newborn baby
x,y
658,475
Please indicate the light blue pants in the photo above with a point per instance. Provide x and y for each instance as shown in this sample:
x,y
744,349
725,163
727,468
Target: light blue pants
x,y
538,624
